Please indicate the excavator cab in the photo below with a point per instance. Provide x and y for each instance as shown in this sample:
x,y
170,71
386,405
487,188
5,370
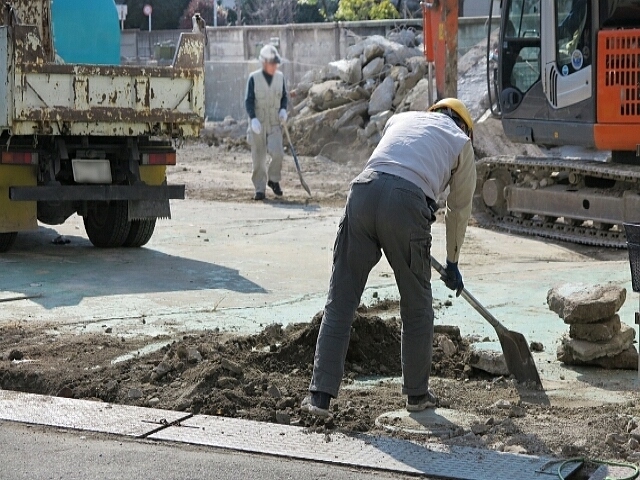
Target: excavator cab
x,y
545,75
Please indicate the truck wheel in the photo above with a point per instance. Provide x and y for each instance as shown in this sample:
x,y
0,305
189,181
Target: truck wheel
x,y
140,232
106,224
7,240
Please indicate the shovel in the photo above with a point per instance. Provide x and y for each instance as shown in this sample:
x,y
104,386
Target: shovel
x,y
514,346
295,159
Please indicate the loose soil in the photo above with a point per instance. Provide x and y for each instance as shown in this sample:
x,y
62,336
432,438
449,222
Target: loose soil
x,y
264,377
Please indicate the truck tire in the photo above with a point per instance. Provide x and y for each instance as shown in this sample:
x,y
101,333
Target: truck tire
x,y
140,233
7,240
106,224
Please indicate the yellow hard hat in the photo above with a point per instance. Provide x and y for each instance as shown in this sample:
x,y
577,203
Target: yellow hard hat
x,y
457,107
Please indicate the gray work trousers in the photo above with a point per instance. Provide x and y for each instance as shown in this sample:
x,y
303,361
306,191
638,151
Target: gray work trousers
x,y
266,142
383,212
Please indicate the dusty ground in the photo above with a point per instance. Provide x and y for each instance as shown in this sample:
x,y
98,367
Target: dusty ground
x,y
265,376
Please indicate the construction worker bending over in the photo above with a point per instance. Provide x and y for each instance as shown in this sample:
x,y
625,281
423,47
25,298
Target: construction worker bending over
x,y
266,104
391,207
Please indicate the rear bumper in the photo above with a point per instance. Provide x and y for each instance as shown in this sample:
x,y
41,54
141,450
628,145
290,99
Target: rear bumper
x,y
70,193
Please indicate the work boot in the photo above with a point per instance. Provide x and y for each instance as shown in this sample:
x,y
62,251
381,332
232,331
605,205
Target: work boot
x,y
418,403
317,404
275,186
259,196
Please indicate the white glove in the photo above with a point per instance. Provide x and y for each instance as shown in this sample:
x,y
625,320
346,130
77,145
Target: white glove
x,y
255,126
282,114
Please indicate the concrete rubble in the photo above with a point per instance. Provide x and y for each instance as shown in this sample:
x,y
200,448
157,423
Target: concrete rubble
x,y
580,303
596,335
335,104
487,360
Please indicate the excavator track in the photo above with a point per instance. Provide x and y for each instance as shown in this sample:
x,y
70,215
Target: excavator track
x,y
571,200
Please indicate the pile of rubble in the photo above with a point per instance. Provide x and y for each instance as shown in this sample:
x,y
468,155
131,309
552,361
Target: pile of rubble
x,y
350,100
596,336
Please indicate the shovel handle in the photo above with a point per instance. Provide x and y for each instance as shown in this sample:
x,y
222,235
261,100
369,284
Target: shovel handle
x,y
471,300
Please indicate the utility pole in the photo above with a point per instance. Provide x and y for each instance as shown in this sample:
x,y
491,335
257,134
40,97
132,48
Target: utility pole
x,y
215,13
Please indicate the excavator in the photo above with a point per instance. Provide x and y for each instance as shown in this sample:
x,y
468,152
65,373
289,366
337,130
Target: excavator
x,y
567,73
563,75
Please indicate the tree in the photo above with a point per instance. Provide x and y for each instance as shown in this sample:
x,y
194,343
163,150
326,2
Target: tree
x,y
205,9
166,13
316,10
353,10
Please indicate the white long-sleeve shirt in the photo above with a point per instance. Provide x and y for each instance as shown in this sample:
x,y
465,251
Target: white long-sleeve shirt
x,y
429,150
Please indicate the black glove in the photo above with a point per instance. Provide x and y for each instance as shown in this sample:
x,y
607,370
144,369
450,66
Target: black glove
x,y
452,278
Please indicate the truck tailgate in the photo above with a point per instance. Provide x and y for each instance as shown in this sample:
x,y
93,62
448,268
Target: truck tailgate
x,y
59,99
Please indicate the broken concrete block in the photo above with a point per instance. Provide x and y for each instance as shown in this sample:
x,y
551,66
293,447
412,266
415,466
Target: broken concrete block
x,y
373,51
447,346
232,366
380,119
403,37
490,361
417,99
332,94
596,332
349,71
627,360
398,73
357,110
580,303
587,351
396,54
373,69
382,97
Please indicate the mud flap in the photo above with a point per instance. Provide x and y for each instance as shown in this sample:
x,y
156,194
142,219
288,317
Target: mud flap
x,y
149,209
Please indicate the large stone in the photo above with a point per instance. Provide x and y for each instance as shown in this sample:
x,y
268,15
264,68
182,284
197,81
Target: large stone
x,y
580,303
418,98
417,70
332,94
596,332
349,71
353,115
627,360
396,54
357,50
587,351
399,73
382,97
380,119
372,51
373,68
490,361
403,37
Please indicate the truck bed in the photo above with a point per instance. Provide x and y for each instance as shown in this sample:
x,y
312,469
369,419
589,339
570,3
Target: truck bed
x,y
39,97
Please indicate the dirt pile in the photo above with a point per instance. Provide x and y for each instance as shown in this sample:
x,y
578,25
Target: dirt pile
x,y
261,377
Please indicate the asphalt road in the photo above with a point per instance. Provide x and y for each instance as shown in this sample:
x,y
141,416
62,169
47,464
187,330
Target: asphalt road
x,y
35,452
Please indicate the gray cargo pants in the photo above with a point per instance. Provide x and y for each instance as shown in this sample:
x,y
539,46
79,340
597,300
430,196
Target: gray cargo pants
x,y
269,141
389,213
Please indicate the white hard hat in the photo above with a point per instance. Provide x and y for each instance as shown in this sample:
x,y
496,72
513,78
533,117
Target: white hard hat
x,y
269,54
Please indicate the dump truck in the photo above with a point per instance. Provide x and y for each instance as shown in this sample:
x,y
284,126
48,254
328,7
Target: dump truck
x,y
89,139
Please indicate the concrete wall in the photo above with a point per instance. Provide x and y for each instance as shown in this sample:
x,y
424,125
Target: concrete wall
x,y
232,51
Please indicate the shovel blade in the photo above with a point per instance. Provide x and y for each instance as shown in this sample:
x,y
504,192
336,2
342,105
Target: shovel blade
x,y
518,357
303,183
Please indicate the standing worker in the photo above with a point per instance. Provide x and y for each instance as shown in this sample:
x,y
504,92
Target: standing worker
x,y
266,104
391,206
